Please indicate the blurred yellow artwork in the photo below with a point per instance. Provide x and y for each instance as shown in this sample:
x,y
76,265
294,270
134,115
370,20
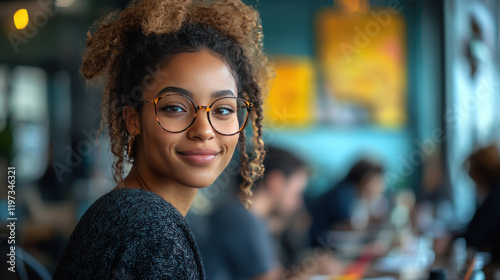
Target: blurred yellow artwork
x,y
363,60
292,98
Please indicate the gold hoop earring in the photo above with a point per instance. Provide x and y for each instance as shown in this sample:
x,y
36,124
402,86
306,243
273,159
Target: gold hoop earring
x,y
130,145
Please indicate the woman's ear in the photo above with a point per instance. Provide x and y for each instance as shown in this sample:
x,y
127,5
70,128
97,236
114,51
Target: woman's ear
x,y
132,120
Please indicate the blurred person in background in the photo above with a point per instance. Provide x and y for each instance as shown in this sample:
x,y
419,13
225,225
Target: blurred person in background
x,y
158,59
483,232
434,214
241,244
350,205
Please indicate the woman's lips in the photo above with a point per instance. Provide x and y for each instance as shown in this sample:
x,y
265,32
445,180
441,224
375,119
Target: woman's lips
x,y
199,156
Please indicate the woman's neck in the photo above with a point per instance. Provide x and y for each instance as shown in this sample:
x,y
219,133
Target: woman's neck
x,y
180,196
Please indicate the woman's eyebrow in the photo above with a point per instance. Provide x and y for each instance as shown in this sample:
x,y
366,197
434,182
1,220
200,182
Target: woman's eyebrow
x,y
176,90
215,94
223,93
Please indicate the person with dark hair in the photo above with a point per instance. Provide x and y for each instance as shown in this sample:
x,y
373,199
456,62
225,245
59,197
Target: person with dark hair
x,y
239,243
363,184
181,80
483,231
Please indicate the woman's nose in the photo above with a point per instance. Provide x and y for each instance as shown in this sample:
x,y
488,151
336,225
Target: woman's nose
x,y
201,128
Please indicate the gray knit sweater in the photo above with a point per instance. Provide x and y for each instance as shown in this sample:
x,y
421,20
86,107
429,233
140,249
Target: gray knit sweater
x,y
131,234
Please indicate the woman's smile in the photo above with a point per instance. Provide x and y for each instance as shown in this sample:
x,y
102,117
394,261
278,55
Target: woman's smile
x,y
199,156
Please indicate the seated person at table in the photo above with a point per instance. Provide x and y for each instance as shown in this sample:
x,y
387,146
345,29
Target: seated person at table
x,y
239,243
347,205
483,232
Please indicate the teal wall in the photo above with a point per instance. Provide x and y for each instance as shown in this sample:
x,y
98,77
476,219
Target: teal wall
x,y
289,30
332,150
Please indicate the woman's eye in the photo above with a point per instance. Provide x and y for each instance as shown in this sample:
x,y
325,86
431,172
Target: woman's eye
x,y
224,111
172,108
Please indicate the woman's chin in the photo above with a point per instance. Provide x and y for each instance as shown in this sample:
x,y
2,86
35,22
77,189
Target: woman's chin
x,y
200,184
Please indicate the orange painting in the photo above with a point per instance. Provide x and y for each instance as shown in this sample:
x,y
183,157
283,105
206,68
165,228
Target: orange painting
x,y
292,97
363,61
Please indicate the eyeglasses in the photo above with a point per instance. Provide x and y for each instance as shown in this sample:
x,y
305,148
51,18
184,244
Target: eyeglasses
x,y
175,113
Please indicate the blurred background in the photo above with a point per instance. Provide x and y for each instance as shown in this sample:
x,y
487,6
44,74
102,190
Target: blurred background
x,y
413,85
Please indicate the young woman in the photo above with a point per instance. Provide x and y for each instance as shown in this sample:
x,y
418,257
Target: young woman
x,y
182,79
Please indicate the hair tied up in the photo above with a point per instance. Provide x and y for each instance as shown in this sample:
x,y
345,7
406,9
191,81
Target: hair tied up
x,y
104,46
164,16
115,31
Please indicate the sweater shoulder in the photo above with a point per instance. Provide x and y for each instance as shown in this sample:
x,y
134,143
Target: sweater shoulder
x,y
139,202
133,210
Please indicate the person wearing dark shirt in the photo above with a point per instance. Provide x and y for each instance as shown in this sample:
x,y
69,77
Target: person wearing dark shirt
x,y
335,209
244,252
483,231
181,79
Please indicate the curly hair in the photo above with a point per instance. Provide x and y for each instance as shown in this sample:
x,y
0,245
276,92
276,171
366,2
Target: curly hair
x,y
127,47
